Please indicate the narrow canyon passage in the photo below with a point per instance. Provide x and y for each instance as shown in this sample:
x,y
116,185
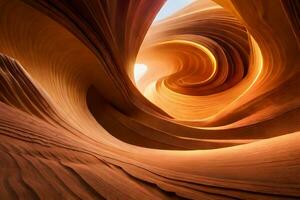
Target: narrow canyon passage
x,y
149,99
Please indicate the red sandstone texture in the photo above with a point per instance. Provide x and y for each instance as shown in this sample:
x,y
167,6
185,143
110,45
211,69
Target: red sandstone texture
x,y
215,116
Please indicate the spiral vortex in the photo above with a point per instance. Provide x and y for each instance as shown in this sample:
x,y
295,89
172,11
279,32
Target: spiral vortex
x,y
212,114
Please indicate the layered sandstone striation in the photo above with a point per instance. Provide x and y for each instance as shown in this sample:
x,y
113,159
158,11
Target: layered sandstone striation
x,y
215,116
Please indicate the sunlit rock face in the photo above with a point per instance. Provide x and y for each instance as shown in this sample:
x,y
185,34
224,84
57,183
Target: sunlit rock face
x,y
100,102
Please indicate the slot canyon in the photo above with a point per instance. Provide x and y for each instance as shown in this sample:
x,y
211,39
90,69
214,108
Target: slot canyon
x,y
100,99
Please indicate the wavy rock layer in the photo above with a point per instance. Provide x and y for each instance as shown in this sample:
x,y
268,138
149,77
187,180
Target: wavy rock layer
x,y
215,116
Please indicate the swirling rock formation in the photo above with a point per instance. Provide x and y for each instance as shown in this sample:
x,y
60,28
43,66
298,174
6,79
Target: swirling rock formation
x,y
215,116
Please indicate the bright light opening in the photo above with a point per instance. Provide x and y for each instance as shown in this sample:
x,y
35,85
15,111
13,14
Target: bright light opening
x,y
139,71
170,7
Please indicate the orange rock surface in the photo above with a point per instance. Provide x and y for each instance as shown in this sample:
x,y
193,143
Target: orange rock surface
x,y
216,114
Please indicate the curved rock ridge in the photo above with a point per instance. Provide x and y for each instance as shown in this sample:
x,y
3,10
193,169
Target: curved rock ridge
x,y
215,114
